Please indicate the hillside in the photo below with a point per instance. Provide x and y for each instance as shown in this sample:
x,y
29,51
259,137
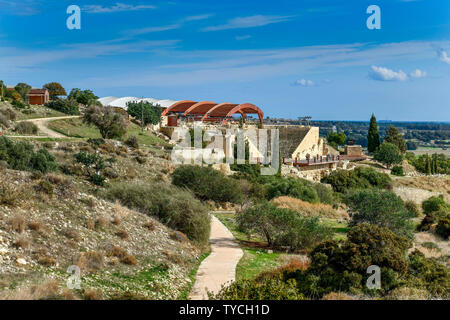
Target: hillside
x,y
50,222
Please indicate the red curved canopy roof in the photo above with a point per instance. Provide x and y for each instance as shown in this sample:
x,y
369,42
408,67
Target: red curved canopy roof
x,y
200,108
211,111
180,106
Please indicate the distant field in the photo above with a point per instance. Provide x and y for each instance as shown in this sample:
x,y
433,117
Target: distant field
x,y
431,150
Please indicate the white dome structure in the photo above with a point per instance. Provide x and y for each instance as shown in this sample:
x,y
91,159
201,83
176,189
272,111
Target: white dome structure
x,y
122,102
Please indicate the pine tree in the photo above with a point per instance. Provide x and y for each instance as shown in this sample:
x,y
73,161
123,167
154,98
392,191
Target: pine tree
x,y
435,164
427,165
373,137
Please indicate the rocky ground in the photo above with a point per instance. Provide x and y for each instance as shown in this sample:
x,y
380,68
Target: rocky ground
x,y
121,253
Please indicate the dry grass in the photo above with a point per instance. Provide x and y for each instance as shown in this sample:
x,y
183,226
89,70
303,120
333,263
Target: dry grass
x,y
117,221
57,180
92,294
90,261
47,261
35,225
149,225
101,222
294,265
123,234
90,224
123,255
405,293
432,184
22,242
72,234
309,209
337,296
48,290
174,257
9,196
119,210
17,223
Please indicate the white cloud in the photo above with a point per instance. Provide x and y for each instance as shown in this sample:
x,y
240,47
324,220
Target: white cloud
x,y
118,7
249,22
136,32
304,83
198,17
443,56
418,74
385,74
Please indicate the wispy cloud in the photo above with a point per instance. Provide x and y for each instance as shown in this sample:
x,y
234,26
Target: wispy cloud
x,y
385,74
443,56
136,32
118,7
199,17
168,27
249,22
304,83
418,74
20,8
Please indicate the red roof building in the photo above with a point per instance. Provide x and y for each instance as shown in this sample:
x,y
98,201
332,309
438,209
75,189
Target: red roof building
x,y
38,96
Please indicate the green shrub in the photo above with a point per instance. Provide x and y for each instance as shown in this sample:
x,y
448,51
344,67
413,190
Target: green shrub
x,y
93,165
282,227
267,289
294,187
67,106
43,161
207,183
26,127
175,207
429,274
132,142
343,266
381,208
397,171
325,194
413,208
18,104
434,204
443,227
359,178
21,156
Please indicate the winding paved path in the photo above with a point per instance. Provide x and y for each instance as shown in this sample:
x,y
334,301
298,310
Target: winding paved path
x,y
219,267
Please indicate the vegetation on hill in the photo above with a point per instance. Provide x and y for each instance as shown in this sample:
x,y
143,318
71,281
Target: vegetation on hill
x,y
342,267
359,178
388,154
282,227
145,111
382,208
207,183
171,205
111,124
21,156
67,106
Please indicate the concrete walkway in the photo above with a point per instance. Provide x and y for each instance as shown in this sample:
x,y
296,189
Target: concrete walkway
x,y
219,267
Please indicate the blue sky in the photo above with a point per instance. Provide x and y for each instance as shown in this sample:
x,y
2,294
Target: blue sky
x,y
290,57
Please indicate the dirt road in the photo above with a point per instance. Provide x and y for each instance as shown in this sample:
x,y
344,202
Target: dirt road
x,y
42,123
